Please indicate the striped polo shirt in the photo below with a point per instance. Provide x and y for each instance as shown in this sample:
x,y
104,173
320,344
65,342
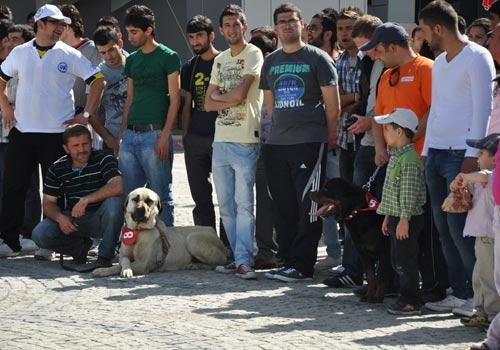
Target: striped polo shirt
x,y
69,184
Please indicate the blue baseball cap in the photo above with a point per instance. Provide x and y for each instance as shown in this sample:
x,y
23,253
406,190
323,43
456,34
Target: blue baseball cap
x,y
387,32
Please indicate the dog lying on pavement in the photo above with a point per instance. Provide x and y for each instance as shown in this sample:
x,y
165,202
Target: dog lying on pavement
x,y
356,208
147,244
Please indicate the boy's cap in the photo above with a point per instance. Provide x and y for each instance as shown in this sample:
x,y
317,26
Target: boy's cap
x,y
404,117
387,32
489,143
51,11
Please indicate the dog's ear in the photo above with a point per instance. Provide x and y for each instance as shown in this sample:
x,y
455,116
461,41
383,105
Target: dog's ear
x,y
125,205
160,207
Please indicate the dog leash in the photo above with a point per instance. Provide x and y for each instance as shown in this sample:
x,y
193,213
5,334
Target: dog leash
x,y
367,186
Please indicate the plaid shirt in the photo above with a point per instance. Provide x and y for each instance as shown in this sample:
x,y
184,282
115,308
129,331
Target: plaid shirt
x,y
349,83
404,187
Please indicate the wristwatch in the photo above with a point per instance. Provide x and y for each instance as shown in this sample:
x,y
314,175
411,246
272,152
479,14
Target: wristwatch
x,y
86,115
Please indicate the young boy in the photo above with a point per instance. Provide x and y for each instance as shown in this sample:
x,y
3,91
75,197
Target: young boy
x,y
402,199
492,340
479,224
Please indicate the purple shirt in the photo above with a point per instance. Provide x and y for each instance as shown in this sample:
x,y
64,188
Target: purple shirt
x,y
479,221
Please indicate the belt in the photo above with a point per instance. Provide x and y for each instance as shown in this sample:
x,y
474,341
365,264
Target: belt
x,y
145,127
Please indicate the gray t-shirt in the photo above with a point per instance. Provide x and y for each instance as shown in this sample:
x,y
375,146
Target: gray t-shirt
x,y
88,50
114,96
377,69
295,79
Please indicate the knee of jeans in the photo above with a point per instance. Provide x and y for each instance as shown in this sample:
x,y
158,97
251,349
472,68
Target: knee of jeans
x,y
41,235
113,207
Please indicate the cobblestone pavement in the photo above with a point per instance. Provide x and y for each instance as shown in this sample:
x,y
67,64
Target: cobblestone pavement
x,y
43,306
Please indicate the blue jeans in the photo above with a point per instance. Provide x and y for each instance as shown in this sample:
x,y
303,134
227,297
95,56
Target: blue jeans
x,y
233,169
330,226
103,223
140,165
441,168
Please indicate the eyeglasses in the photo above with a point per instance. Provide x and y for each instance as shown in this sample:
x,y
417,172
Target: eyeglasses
x,y
394,77
312,28
290,22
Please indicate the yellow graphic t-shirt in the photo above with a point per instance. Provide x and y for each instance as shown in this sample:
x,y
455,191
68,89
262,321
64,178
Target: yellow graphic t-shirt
x,y
239,123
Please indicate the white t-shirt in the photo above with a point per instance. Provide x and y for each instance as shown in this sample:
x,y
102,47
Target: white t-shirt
x,y
44,99
240,123
461,99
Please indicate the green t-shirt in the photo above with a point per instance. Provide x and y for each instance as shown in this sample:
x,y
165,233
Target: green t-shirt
x,y
149,73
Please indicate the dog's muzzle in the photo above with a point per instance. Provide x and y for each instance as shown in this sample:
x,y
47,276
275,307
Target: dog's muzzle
x,y
139,215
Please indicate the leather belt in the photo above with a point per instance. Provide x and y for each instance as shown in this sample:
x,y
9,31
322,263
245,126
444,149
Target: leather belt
x,y
145,127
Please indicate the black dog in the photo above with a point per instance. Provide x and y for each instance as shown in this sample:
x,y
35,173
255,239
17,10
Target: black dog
x,y
356,208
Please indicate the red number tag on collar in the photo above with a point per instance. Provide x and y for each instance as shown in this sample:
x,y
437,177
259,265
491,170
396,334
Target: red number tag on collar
x,y
129,236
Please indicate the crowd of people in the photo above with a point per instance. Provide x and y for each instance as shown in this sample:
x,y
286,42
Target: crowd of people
x,y
413,118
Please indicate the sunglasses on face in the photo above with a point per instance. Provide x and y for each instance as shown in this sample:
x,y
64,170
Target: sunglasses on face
x,y
394,77
312,28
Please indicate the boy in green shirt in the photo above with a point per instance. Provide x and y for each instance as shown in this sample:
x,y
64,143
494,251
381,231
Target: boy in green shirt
x,y
402,200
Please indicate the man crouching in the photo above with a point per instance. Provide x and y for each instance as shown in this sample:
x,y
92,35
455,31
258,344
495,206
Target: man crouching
x,y
81,198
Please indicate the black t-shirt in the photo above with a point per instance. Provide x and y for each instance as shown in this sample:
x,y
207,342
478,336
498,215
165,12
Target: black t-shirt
x,y
195,78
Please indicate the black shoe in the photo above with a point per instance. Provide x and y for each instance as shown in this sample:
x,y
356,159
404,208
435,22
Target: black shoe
x,y
344,280
404,309
100,262
361,291
81,258
290,275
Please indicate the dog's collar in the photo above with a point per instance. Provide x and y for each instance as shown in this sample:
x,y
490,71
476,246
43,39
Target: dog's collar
x,y
129,236
371,204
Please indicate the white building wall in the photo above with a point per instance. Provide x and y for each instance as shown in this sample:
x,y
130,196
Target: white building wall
x,y
260,12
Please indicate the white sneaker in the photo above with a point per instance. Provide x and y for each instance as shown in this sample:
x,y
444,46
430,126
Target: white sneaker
x,y
6,251
45,254
445,305
27,245
467,309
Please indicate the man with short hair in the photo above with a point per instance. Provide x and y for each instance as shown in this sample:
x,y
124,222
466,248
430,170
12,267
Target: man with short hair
x,y
322,33
153,100
301,94
234,93
268,32
114,96
461,103
43,65
81,199
199,125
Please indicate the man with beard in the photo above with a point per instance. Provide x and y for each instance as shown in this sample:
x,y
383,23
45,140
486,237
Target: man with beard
x,y
153,100
322,33
47,69
199,125
234,93
301,94
81,198
461,103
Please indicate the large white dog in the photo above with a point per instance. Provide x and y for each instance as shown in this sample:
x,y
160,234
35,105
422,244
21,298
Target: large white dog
x,y
147,244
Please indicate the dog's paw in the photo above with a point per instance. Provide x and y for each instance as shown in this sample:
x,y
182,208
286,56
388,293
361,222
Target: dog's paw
x,y
127,273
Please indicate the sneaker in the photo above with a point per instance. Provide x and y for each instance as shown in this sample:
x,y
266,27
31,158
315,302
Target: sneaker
x,y
476,320
328,263
228,268
245,272
271,274
290,275
337,270
344,280
45,254
467,309
27,245
403,309
6,251
445,305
